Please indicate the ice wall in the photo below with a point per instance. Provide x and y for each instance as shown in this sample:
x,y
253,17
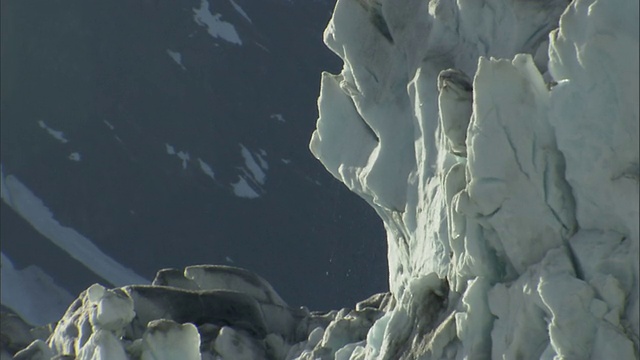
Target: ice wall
x,y
513,176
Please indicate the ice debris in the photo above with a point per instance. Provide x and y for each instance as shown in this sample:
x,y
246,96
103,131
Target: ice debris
x,y
201,312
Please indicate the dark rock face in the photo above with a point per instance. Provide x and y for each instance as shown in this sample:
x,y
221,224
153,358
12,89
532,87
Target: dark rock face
x,y
103,74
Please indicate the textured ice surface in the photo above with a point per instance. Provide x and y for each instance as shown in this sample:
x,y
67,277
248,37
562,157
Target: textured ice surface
x,y
201,312
518,188
168,340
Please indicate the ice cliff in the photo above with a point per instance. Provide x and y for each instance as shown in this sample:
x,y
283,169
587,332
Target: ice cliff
x,y
498,141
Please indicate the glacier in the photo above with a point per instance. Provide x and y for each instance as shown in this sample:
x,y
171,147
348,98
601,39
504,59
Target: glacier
x,y
532,220
498,140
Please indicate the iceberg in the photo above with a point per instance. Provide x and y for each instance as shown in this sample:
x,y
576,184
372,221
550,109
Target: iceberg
x,y
498,141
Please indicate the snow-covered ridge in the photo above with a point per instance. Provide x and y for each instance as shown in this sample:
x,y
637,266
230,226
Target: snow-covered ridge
x,y
498,140
24,202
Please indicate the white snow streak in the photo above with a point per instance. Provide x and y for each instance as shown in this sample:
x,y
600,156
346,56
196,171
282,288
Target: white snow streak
x,y
216,27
